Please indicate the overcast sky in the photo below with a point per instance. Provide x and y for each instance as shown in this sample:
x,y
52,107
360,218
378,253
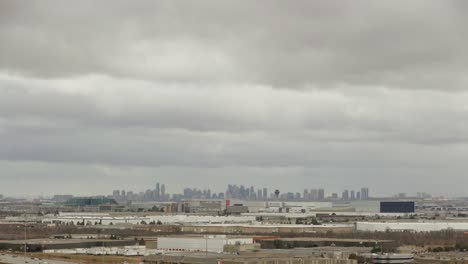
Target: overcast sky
x,y
102,95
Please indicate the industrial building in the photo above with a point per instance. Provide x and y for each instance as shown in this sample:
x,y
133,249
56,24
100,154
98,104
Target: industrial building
x,y
426,226
106,219
205,206
209,243
265,229
397,207
389,258
89,201
122,251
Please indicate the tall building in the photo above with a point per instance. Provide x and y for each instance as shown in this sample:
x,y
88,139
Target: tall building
x,y
353,195
364,193
157,192
401,195
321,194
358,195
148,195
163,191
314,194
345,195
265,193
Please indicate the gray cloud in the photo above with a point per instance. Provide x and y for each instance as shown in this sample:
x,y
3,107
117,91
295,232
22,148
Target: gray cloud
x,y
330,93
326,43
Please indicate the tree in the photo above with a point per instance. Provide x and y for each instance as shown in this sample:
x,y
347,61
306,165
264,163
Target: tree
x,y
376,249
438,249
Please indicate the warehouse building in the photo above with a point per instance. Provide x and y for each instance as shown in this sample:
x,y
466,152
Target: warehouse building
x,y
212,243
397,207
265,229
411,226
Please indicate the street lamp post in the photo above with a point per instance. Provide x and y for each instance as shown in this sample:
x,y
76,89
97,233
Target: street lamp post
x,y
25,237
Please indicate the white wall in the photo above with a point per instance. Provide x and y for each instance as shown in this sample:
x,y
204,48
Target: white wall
x,y
410,226
201,219
191,244
165,219
202,244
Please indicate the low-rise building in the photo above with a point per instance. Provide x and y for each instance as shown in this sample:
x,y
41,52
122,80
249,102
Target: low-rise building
x,y
208,243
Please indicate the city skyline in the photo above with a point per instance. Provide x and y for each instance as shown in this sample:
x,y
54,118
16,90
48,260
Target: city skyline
x,y
219,185
238,192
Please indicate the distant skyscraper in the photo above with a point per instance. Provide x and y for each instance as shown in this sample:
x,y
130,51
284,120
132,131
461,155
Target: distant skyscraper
x,y
157,192
265,193
353,195
314,194
345,195
358,195
364,193
148,195
242,192
321,194
163,191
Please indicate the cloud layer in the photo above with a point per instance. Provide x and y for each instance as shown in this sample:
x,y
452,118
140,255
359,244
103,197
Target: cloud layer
x,y
334,89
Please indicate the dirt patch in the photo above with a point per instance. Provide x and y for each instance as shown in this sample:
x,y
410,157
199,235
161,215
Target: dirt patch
x,y
87,258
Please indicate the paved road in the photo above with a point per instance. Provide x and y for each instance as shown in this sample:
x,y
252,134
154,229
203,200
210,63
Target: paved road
x,y
15,259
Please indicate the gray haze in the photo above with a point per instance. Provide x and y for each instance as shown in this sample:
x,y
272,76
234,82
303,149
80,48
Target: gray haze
x,y
97,95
